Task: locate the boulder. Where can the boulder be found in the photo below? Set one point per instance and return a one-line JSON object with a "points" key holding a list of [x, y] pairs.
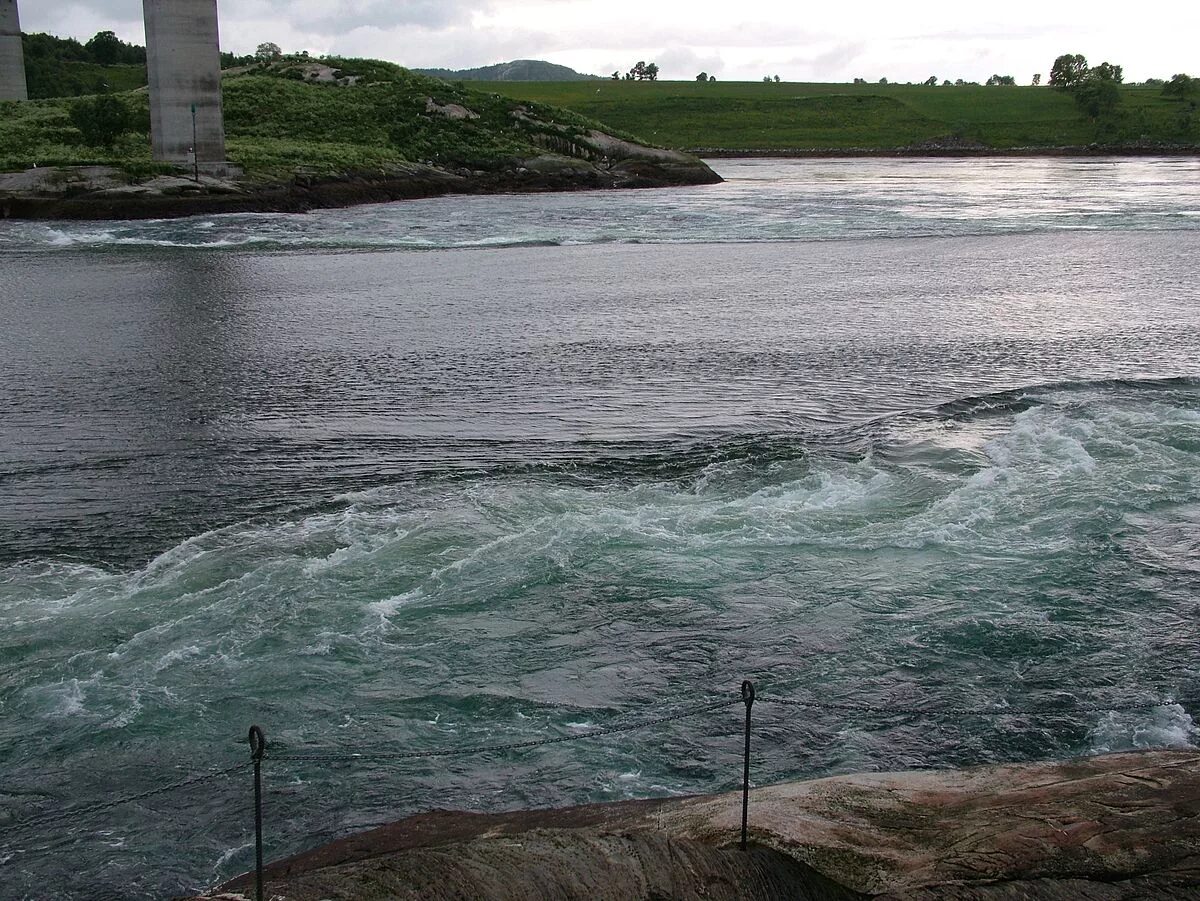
{"points": [[1109, 828]]}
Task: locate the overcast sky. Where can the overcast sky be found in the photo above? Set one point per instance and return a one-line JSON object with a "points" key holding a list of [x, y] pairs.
{"points": [[735, 41]]}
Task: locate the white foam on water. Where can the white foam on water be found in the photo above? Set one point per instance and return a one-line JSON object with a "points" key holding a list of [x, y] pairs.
{"points": [[60, 238], [388, 607], [63, 700], [227, 856], [243, 241], [178, 655], [1169, 726]]}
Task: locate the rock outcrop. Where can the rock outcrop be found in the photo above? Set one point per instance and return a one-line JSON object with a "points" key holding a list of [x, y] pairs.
{"points": [[103, 192], [1122, 826]]}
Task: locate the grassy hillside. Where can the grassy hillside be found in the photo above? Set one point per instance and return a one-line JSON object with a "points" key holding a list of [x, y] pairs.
{"points": [[63, 67], [757, 116], [280, 118]]}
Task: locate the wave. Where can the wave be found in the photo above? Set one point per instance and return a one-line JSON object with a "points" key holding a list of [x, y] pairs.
{"points": [[1047, 430], [274, 244], [1016, 400], [1051, 558]]}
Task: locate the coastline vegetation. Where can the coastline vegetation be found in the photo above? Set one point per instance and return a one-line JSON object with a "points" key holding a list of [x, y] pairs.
{"points": [[322, 117], [330, 116]]}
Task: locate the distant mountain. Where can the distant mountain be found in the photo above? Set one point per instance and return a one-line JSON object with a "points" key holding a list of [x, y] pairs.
{"points": [[517, 70]]}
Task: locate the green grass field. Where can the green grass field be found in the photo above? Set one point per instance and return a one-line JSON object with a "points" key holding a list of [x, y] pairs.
{"points": [[276, 124], [757, 116]]}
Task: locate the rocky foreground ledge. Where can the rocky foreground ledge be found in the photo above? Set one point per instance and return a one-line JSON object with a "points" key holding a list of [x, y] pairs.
{"points": [[1121, 826], [105, 192]]}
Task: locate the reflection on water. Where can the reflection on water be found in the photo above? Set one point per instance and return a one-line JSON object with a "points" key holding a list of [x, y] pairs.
{"points": [[155, 394]]}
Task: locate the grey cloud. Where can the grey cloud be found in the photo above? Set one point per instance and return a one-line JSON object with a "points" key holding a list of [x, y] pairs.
{"points": [[832, 62], [342, 16], [684, 62], [454, 48], [319, 16]]}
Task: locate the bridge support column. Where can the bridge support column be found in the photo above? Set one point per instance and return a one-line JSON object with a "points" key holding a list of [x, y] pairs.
{"points": [[12, 55], [183, 60]]}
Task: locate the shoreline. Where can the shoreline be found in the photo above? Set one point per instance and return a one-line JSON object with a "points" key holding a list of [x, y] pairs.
{"points": [[1046, 831], [105, 193], [91, 193], [950, 151]]}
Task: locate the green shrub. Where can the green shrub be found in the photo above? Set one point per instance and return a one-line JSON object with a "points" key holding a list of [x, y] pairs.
{"points": [[101, 120]]}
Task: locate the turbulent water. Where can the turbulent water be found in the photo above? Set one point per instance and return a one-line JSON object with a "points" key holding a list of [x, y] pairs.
{"points": [[900, 434]]}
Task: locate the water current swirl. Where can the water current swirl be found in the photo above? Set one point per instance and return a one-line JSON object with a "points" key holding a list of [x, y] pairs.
{"points": [[375, 499]]}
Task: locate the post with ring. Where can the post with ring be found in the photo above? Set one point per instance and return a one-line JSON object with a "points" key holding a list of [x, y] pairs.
{"points": [[258, 748], [748, 700]]}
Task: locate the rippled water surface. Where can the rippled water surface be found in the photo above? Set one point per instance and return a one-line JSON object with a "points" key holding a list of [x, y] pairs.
{"points": [[474, 470]]}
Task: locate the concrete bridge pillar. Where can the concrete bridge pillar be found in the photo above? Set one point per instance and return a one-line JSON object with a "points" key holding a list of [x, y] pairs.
{"points": [[12, 56], [183, 60]]}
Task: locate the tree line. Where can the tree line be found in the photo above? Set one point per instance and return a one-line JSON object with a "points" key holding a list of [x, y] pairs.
{"points": [[65, 67]]}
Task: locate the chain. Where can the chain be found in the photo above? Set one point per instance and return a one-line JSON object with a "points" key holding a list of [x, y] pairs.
{"points": [[963, 711], [72, 812], [515, 746]]}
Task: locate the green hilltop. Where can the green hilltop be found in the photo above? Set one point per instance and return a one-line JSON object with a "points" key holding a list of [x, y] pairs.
{"points": [[517, 70]]}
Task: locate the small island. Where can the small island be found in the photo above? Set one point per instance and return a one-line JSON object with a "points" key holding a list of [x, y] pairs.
{"points": [[307, 134]]}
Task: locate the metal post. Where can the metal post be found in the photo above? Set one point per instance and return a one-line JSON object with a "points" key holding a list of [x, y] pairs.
{"points": [[258, 747], [196, 159], [748, 700]]}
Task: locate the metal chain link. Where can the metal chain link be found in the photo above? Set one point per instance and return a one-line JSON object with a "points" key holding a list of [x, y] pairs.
{"points": [[515, 746], [73, 812], [962, 711], [118, 802]]}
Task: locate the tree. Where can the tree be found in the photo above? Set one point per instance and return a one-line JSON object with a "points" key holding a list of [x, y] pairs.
{"points": [[776, 79], [1037, 79], [930, 82], [766, 79], [703, 76], [1108, 72], [1068, 70], [712, 78], [1001, 80], [883, 81], [1097, 96], [101, 120], [268, 52], [616, 76], [860, 81], [642, 71], [105, 48], [1180, 86]]}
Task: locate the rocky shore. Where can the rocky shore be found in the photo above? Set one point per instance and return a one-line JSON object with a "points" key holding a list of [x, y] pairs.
{"points": [[105, 192], [1121, 826]]}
